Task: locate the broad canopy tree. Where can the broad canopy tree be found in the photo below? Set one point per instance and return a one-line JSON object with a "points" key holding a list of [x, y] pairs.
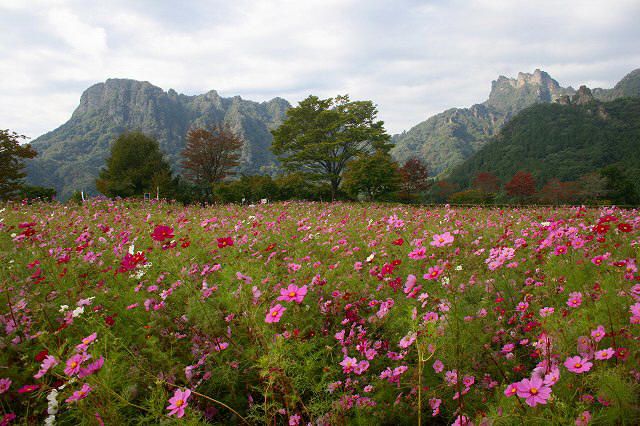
{"points": [[11, 164], [374, 176], [136, 166], [320, 136]]}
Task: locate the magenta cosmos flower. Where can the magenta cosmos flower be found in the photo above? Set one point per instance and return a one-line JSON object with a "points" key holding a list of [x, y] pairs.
{"points": [[161, 233], [74, 363], [442, 240], [605, 354], [178, 402], [533, 390], [293, 293], [275, 313], [81, 394], [577, 364]]}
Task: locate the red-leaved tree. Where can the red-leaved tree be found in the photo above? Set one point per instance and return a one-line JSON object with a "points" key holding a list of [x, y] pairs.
{"points": [[415, 177], [522, 185], [486, 182], [210, 155]]}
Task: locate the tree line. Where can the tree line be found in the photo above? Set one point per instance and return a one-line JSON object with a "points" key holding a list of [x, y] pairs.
{"points": [[329, 149]]}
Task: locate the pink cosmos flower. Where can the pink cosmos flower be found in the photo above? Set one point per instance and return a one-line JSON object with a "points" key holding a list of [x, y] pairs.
{"points": [[82, 347], [49, 362], [442, 240], [598, 333], [348, 364], [433, 273], [81, 394], [577, 364], [275, 313], [419, 253], [605, 354], [575, 299], [507, 348], [294, 420], [74, 363], [552, 377], [533, 390], [462, 421], [430, 316], [293, 293], [178, 402], [91, 368], [583, 419], [435, 405], [5, 384], [511, 390], [410, 284]]}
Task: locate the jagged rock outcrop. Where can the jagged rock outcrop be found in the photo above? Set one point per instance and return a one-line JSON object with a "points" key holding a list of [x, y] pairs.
{"points": [[446, 139], [71, 156]]}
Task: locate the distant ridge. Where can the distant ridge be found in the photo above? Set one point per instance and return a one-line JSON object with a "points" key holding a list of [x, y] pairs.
{"points": [[70, 157], [447, 139]]}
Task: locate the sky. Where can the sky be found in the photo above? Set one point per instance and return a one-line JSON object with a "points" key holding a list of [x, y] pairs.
{"points": [[413, 59]]}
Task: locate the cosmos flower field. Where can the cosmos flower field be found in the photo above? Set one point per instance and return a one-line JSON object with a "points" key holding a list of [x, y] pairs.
{"points": [[125, 312]]}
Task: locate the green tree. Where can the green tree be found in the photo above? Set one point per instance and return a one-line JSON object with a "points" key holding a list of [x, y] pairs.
{"points": [[375, 176], [320, 136], [619, 188], [11, 164], [136, 166]]}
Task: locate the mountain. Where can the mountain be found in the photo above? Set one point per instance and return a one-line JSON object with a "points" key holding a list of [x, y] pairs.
{"points": [[70, 157], [447, 139], [562, 141]]}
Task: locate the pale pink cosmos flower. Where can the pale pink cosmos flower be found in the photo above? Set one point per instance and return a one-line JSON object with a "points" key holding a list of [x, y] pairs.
{"points": [[348, 364], [552, 377], [49, 362], [546, 311], [442, 240], [407, 340], [438, 366], [435, 406], [275, 313], [178, 402], [293, 293], [81, 394], [534, 391], [605, 354], [598, 333], [577, 364]]}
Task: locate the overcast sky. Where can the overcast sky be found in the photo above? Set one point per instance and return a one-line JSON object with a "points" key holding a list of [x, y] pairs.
{"points": [[412, 58]]}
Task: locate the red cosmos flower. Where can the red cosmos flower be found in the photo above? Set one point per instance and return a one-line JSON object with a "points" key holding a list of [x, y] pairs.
{"points": [[224, 242], [398, 242], [41, 355], [270, 247], [624, 227], [109, 321], [161, 233], [601, 228]]}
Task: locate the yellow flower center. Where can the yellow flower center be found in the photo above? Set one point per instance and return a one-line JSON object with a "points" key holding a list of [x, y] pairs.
{"points": [[441, 240], [74, 364], [577, 365], [86, 341], [274, 313], [533, 391], [292, 294]]}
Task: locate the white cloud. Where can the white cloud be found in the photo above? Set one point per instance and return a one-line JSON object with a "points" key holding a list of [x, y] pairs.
{"points": [[413, 58]]}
